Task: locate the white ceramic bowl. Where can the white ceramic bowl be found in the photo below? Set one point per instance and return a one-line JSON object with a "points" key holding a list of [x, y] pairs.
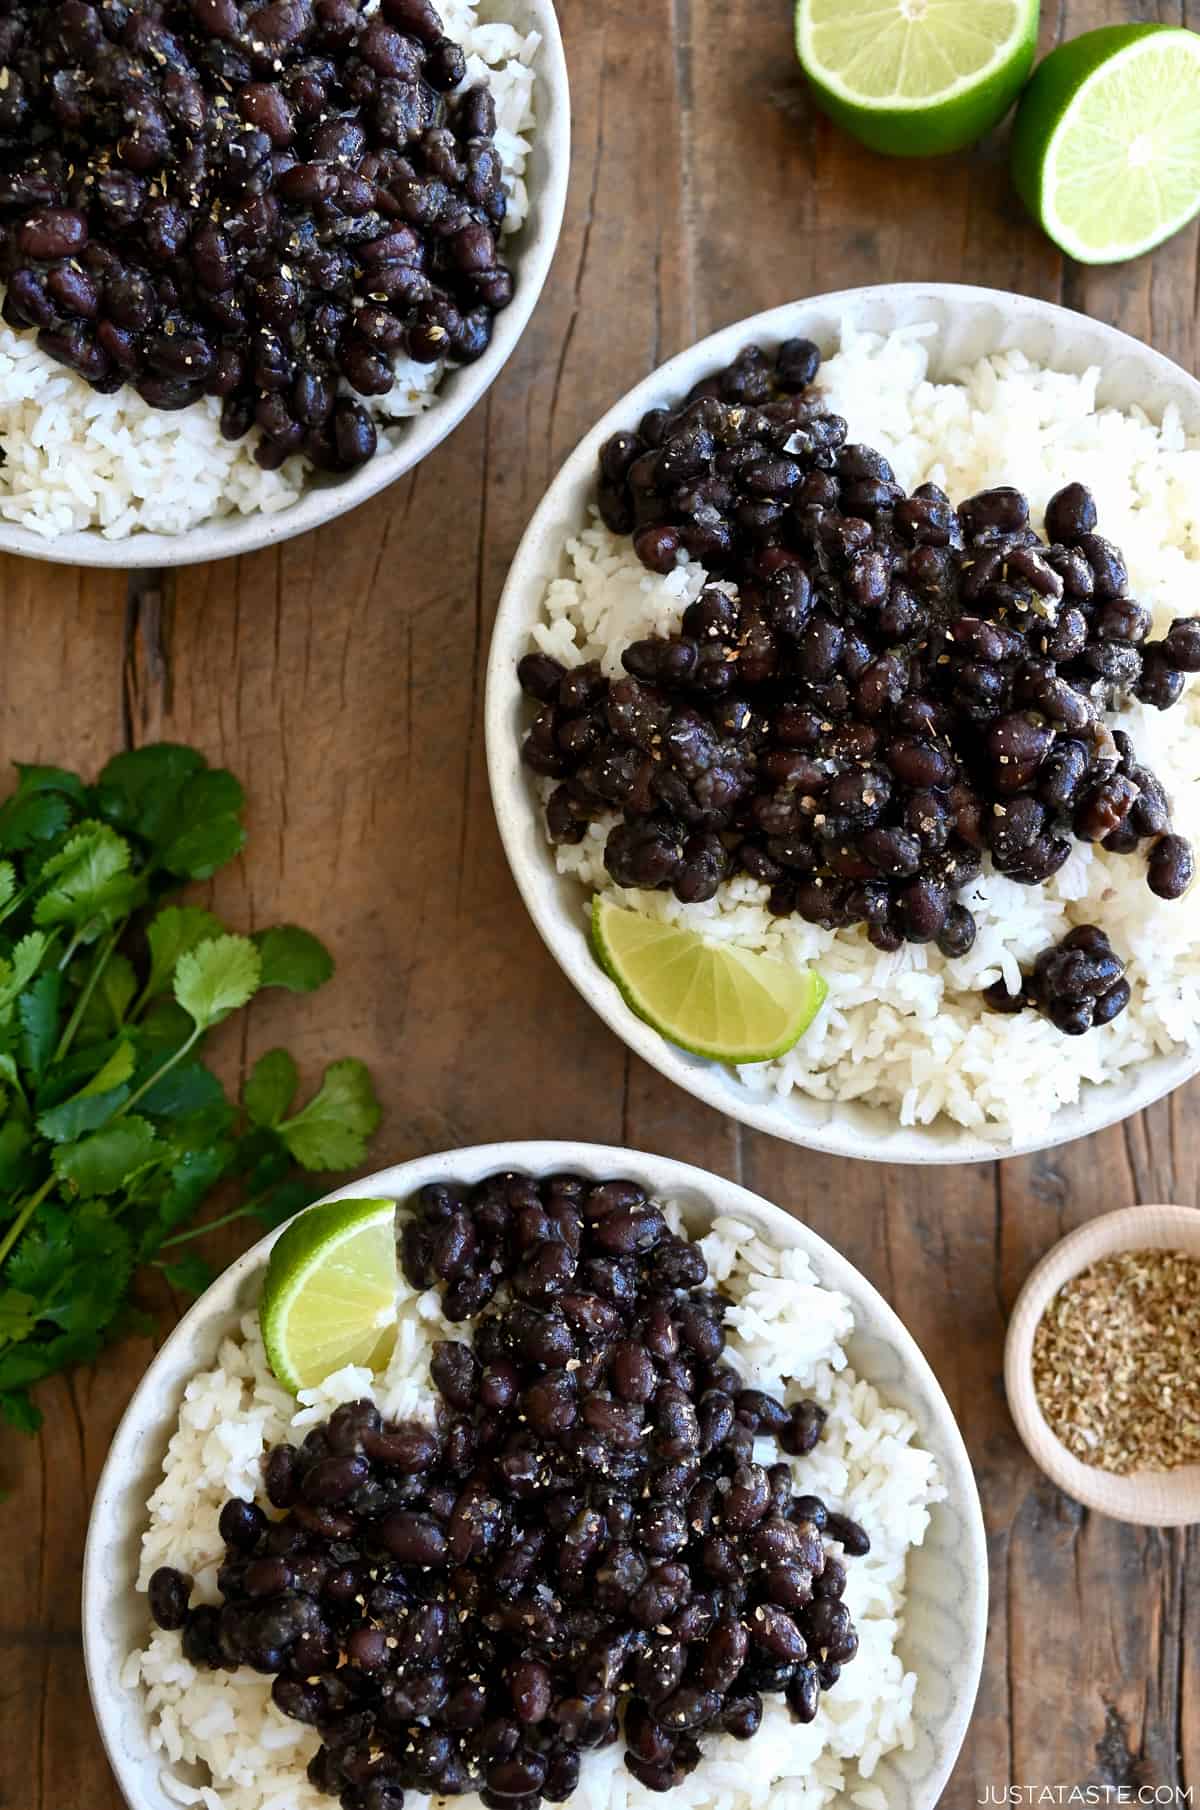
{"points": [[946, 1612], [971, 323], [531, 252], [1147, 1498]]}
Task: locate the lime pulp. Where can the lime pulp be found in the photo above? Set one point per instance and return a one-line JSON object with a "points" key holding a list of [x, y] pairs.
{"points": [[329, 1298], [714, 999]]}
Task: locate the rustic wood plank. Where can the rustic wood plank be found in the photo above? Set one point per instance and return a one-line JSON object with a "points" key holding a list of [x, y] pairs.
{"points": [[341, 677]]}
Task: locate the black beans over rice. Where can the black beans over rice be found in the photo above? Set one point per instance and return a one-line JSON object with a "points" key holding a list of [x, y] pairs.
{"points": [[263, 203], [585, 1549], [898, 687]]}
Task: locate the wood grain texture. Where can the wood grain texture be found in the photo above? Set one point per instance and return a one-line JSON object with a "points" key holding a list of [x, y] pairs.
{"points": [[341, 677]]}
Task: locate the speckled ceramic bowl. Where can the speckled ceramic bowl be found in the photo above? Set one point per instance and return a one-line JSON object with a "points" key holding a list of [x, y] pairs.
{"points": [[531, 252], [970, 324], [1147, 1498], [946, 1612]]}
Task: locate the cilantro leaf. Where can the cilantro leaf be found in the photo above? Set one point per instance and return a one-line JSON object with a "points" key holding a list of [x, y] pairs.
{"points": [[68, 1074], [83, 1113], [198, 853], [38, 1012], [189, 1088], [286, 1200], [34, 779], [16, 1157], [37, 818], [206, 830], [170, 796], [19, 1411], [200, 1130], [8, 881], [216, 978], [112, 997], [19, 970], [165, 1027], [18, 1314], [103, 1162], [90, 877], [100, 1265], [293, 958], [192, 1177], [29, 1363], [42, 1255], [270, 1088], [118, 1068], [263, 1158], [138, 790], [332, 1130], [190, 1274], [176, 931]]}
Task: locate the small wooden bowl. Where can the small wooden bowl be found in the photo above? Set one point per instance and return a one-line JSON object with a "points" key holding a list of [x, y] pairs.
{"points": [[1148, 1498]]}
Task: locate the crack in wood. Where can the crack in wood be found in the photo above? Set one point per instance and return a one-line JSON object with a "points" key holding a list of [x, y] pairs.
{"points": [[1116, 1764], [146, 666]]}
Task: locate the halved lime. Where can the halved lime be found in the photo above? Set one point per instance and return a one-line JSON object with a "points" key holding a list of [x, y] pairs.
{"points": [[1106, 145], [330, 1294], [915, 78], [711, 998]]}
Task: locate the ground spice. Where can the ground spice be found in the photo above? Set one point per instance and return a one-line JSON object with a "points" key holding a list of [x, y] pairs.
{"points": [[1116, 1362]]}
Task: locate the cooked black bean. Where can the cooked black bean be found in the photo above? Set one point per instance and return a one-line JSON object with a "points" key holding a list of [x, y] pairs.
{"points": [[1172, 867], [169, 1591], [332, 1479], [242, 1524], [1070, 514], [413, 1538], [853, 1539]]}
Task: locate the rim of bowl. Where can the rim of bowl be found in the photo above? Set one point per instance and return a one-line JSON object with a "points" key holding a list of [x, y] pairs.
{"points": [[325, 499], [151, 1410], [1147, 1498], [555, 902]]}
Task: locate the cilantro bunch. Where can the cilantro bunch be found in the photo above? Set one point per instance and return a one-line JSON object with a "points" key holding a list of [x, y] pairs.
{"points": [[112, 1129]]}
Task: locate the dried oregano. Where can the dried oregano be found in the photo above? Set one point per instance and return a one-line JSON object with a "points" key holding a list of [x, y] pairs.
{"points": [[1116, 1362]]}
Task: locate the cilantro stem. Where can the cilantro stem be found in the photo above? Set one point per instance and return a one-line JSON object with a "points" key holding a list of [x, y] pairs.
{"points": [[70, 949], [163, 1069], [211, 1225], [18, 899], [89, 987], [23, 1217]]}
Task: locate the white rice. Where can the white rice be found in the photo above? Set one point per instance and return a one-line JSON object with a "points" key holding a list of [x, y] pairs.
{"points": [[74, 459], [909, 1031], [786, 1334]]}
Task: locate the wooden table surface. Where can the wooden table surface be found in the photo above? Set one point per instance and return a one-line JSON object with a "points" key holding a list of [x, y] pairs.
{"points": [[341, 678]]}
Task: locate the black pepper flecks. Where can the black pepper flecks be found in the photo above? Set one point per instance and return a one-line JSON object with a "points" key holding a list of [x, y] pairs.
{"points": [[585, 1549], [263, 203], [897, 686]]}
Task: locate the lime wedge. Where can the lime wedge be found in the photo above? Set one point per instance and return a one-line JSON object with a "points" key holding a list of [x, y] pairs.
{"points": [[330, 1294], [710, 998], [915, 78], [1106, 146]]}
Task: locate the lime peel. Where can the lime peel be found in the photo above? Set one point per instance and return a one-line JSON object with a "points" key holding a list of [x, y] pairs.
{"points": [[717, 1000], [1093, 160], [329, 1298], [917, 78]]}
